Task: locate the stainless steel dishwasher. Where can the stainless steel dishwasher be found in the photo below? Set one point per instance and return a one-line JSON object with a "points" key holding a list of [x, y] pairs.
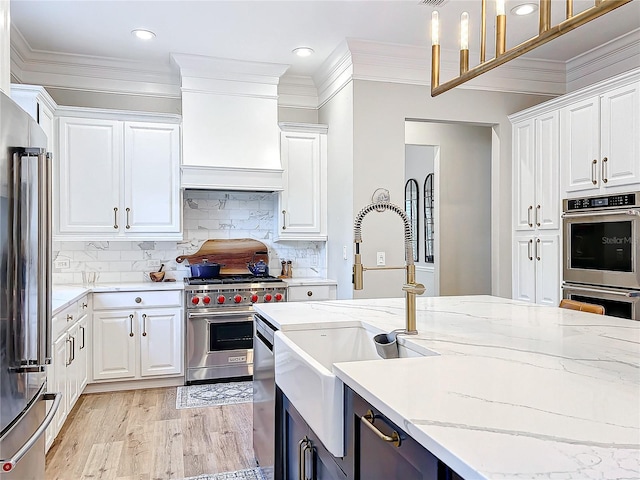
{"points": [[264, 396]]}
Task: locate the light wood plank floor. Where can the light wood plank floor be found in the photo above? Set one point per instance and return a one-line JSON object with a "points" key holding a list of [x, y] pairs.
{"points": [[140, 435]]}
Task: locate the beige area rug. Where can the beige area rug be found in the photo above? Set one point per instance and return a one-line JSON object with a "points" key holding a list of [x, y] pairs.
{"points": [[208, 395]]}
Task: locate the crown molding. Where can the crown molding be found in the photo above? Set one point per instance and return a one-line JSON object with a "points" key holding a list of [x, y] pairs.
{"points": [[296, 91], [91, 73], [335, 73], [617, 56]]}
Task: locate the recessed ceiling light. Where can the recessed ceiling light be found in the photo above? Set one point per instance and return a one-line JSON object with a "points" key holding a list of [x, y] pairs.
{"points": [[524, 9], [303, 51], [143, 34]]}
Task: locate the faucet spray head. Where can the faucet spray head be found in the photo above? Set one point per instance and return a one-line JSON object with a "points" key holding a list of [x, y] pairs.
{"points": [[358, 271]]}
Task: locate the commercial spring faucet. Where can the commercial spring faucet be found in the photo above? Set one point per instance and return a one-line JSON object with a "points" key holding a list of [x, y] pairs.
{"points": [[411, 288]]}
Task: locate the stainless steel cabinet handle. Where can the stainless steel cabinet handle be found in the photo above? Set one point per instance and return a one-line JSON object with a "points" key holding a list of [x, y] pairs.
{"points": [[115, 217], [529, 210], [284, 219], [73, 348], [308, 461], [131, 325], [69, 359], [538, 215], [368, 420], [593, 171], [9, 464], [604, 170], [601, 214], [127, 210], [83, 339], [529, 248], [608, 292], [84, 305], [69, 318], [144, 324], [537, 249]]}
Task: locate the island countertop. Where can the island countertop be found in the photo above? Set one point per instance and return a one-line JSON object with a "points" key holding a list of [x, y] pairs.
{"points": [[517, 391]]}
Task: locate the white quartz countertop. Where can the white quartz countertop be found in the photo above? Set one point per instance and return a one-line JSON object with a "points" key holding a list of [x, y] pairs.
{"points": [[64, 295], [296, 281], [518, 391]]}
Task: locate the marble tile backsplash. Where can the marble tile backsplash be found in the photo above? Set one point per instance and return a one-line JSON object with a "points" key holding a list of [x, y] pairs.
{"points": [[206, 214]]}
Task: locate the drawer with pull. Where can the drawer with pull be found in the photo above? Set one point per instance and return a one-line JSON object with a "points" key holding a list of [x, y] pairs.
{"points": [[304, 293], [64, 319], [141, 299]]}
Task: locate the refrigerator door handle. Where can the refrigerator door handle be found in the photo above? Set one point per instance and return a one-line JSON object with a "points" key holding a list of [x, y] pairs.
{"points": [[9, 464], [45, 258]]}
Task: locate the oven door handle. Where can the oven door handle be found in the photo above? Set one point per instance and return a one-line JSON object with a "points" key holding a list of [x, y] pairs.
{"points": [[608, 292], [601, 214], [235, 313]]}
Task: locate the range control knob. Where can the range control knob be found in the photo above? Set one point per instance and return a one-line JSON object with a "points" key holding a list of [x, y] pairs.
{"points": [[267, 297], [278, 297], [221, 299], [237, 298], [206, 300], [254, 298], [195, 300]]}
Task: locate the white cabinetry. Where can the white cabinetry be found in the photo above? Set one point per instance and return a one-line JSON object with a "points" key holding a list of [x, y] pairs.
{"points": [[310, 290], [38, 103], [137, 335], [536, 193], [601, 141], [118, 180], [68, 371], [302, 207]]}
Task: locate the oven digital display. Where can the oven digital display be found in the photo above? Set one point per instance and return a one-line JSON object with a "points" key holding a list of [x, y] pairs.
{"points": [[600, 202], [602, 246]]}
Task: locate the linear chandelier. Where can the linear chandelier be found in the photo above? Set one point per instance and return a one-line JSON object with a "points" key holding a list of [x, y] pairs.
{"points": [[546, 34]]}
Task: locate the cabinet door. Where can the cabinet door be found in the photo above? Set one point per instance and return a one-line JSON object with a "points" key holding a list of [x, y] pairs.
{"points": [[301, 212], [548, 268], [61, 361], [580, 145], [89, 176], [114, 344], [524, 279], [524, 176], [152, 178], [620, 136], [547, 177], [160, 341], [82, 356]]}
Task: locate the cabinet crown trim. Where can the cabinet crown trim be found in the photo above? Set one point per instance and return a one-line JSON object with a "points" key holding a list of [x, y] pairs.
{"points": [[303, 127], [122, 115]]}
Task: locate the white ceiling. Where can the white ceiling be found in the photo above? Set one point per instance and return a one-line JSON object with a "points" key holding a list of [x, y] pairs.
{"points": [[267, 31]]}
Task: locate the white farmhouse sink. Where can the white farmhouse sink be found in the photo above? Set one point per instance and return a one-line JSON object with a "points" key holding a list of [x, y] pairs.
{"points": [[304, 372]]}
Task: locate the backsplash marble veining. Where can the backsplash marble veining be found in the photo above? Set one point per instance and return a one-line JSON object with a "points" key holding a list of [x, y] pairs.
{"points": [[206, 214]]}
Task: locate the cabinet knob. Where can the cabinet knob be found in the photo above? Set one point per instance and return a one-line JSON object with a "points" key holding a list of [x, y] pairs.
{"points": [[69, 318], [138, 300], [309, 293], [84, 305]]}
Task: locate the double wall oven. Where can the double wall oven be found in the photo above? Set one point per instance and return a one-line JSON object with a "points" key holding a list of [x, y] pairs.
{"points": [[601, 252], [219, 324]]}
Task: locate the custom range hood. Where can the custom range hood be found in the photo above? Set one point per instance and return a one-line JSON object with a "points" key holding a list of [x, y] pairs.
{"points": [[230, 133]]}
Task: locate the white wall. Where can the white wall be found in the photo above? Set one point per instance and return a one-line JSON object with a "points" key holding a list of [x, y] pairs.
{"points": [[5, 47], [463, 205], [338, 114], [298, 115], [140, 103], [379, 113]]}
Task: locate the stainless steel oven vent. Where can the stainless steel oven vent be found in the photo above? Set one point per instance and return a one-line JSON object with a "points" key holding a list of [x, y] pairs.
{"points": [[432, 3]]}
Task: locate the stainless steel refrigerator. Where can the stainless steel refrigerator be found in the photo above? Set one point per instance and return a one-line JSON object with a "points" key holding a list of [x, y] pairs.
{"points": [[25, 281]]}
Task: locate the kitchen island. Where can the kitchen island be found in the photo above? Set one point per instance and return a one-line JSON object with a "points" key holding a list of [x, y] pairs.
{"points": [[516, 390]]}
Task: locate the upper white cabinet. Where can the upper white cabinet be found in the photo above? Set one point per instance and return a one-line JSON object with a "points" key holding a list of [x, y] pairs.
{"points": [[600, 142], [302, 206], [118, 179], [536, 172], [38, 103]]}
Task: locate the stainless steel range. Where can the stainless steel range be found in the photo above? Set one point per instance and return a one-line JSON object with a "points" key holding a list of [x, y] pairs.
{"points": [[219, 324]]}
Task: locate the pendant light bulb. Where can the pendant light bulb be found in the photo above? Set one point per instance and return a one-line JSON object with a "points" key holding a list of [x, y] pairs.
{"points": [[464, 31], [435, 28]]}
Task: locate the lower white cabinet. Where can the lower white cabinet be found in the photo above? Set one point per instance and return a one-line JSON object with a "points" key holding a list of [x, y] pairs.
{"points": [[137, 342], [311, 291], [68, 371], [537, 269]]}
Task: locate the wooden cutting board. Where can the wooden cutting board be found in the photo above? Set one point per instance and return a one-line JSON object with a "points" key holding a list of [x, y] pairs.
{"points": [[234, 254]]}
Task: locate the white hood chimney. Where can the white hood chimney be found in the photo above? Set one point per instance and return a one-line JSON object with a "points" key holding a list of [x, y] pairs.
{"points": [[230, 133]]}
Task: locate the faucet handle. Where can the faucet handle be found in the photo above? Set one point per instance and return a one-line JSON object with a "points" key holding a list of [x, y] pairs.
{"points": [[415, 288]]}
